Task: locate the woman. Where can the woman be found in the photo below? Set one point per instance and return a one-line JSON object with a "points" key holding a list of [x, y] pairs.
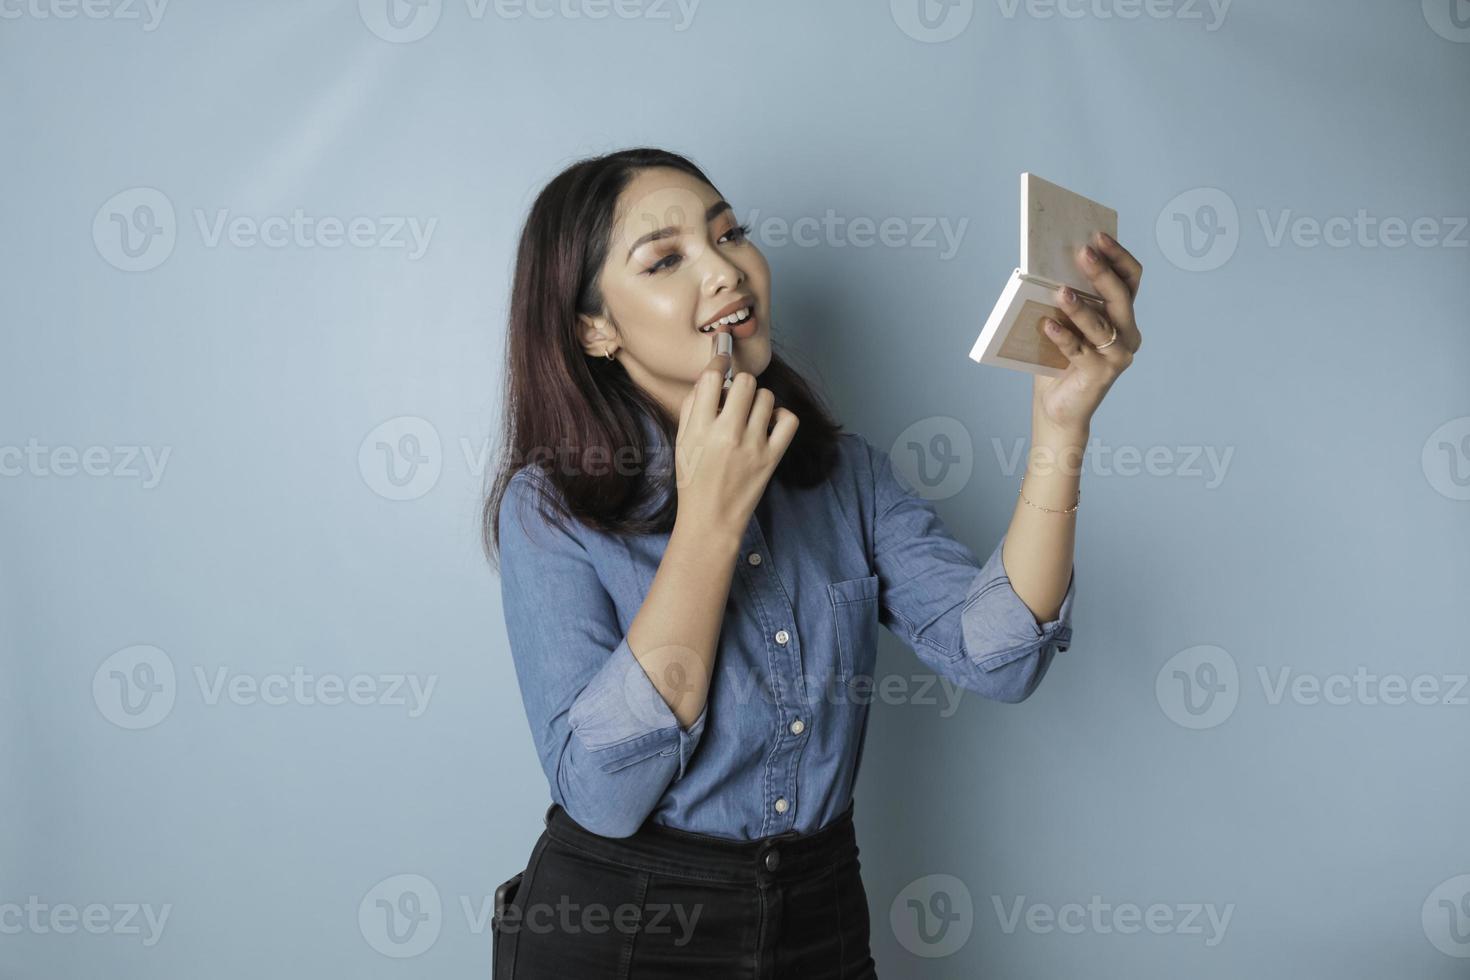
{"points": [[693, 576]]}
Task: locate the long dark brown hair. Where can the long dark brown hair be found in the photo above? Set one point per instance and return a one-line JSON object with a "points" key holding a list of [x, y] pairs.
{"points": [[586, 411]]}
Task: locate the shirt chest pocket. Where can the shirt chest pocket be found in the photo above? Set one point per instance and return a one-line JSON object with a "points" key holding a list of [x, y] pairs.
{"points": [[855, 620]]}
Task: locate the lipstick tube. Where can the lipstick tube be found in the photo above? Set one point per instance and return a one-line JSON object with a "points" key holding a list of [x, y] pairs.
{"points": [[725, 344]]}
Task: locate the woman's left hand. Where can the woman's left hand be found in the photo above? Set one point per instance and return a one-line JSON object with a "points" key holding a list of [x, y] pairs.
{"points": [[1067, 402]]}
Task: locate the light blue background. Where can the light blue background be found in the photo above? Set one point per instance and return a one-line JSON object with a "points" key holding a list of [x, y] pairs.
{"points": [[1334, 539]]}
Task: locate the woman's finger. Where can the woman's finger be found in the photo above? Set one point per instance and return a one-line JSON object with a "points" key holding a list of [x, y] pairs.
{"points": [[1068, 342], [1106, 282], [782, 434], [707, 388], [760, 416], [1088, 320], [686, 407], [1129, 269], [737, 399]]}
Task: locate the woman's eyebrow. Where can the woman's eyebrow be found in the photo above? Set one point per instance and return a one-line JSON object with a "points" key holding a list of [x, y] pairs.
{"points": [[712, 212]]}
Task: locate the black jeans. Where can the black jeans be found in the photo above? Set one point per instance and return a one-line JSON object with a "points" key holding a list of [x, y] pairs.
{"points": [[666, 903]]}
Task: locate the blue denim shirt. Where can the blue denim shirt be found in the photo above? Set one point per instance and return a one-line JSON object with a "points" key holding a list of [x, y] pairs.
{"points": [[780, 740]]}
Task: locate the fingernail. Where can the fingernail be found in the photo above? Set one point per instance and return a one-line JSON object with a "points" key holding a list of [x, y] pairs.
{"points": [[1091, 255], [724, 343], [1067, 294]]}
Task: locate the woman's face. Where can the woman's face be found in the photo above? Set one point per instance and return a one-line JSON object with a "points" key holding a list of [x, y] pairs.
{"points": [[677, 261]]}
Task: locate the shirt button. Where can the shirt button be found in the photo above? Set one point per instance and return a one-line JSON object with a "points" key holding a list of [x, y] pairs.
{"points": [[781, 805], [755, 558], [773, 858], [798, 726], [782, 636]]}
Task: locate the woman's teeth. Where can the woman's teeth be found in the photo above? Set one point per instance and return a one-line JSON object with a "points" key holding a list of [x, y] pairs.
{"points": [[737, 317]]}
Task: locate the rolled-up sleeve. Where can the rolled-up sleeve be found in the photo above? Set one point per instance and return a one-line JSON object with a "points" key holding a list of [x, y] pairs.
{"points": [[609, 743], [959, 616]]}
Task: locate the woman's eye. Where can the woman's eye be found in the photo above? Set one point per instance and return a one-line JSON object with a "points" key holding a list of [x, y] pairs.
{"points": [[738, 233], [660, 264]]}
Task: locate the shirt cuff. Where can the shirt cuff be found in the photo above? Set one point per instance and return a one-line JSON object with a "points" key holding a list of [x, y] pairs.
{"points": [[999, 628], [622, 718]]}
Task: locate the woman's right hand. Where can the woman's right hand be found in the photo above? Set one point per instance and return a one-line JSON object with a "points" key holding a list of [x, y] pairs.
{"points": [[724, 456]]}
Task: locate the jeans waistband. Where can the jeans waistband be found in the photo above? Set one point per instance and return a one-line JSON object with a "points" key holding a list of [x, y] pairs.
{"points": [[680, 853]]}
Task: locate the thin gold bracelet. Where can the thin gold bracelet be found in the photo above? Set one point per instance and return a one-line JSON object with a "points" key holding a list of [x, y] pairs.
{"points": [[1051, 510]]}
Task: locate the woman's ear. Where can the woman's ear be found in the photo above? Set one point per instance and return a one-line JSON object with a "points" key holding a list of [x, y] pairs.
{"points": [[597, 335]]}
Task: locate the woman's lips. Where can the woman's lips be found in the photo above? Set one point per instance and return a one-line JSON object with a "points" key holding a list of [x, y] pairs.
{"points": [[745, 329]]}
